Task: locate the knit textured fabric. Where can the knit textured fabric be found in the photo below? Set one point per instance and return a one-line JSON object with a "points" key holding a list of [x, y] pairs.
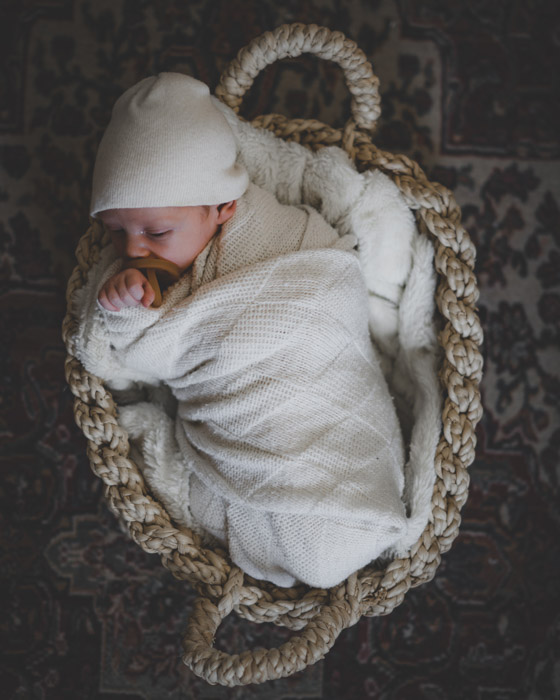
{"points": [[167, 145], [287, 445]]}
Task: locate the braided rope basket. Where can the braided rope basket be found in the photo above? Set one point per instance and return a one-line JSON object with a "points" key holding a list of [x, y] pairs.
{"points": [[319, 615]]}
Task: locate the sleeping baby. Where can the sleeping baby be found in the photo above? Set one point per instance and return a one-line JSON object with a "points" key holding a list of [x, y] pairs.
{"points": [[283, 443]]}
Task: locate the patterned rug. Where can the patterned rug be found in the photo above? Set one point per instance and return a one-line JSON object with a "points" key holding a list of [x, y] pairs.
{"points": [[471, 91]]}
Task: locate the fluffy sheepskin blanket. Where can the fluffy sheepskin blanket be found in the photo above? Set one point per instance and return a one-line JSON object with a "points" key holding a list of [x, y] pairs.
{"points": [[282, 440]]}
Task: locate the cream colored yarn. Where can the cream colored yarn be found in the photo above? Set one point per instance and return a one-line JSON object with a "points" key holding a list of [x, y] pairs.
{"points": [[320, 615]]}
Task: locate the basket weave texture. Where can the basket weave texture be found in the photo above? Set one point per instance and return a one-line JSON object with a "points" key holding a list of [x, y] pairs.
{"points": [[377, 589]]}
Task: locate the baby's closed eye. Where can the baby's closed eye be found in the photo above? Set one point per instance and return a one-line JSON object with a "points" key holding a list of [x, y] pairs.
{"points": [[157, 234]]}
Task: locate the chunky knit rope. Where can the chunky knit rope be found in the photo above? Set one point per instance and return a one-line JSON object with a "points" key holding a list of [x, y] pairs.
{"points": [[375, 590]]}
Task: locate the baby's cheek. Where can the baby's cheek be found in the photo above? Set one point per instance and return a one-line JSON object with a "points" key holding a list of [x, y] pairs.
{"points": [[118, 243]]}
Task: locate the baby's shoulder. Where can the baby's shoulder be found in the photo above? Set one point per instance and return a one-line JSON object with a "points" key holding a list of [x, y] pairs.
{"points": [[258, 201]]}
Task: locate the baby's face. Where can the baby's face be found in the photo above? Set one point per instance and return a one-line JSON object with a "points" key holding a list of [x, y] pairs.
{"points": [[177, 234]]}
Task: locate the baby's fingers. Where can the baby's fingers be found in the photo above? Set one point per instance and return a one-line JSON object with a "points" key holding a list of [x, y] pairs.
{"points": [[105, 302], [137, 291], [138, 288], [126, 288], [129, 289], [148, 294]]}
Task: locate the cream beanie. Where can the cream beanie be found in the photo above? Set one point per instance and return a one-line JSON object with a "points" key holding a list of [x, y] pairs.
{"points": [[166, 145]]}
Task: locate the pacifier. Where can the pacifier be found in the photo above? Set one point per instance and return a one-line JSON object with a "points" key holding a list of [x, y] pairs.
{"points": [[160, 274]]}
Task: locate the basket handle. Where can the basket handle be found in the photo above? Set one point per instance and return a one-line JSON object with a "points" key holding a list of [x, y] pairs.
{"points": [[291, 40], [260, 665]]}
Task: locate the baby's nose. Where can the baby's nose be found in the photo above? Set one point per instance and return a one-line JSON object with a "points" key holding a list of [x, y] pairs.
{"points": [[135, 249]]}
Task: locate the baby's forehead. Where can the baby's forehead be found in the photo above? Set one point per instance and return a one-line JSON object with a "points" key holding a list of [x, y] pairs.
{"points": [[152, 215]]}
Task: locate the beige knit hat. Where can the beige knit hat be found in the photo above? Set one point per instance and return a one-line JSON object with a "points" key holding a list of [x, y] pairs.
{"points": [[166, 145]]}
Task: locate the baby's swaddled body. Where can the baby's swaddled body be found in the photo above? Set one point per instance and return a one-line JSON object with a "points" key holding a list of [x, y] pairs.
{"points": [[290, 449]]}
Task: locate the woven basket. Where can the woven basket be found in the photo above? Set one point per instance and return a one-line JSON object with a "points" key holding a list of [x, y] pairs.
{"points": [[320, 615]]}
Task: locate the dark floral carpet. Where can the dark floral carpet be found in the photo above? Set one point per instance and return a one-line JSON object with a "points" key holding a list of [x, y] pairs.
{"points": [[471, 91]]}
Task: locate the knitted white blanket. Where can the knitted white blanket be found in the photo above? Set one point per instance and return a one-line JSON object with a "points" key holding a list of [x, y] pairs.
{"points": [[284, 443]]}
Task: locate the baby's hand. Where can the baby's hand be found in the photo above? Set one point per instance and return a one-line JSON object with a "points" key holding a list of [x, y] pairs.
{"points": [[126, 288]]}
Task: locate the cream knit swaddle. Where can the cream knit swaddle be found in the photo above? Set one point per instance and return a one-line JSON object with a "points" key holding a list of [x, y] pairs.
{"points": [[285, 427]]}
